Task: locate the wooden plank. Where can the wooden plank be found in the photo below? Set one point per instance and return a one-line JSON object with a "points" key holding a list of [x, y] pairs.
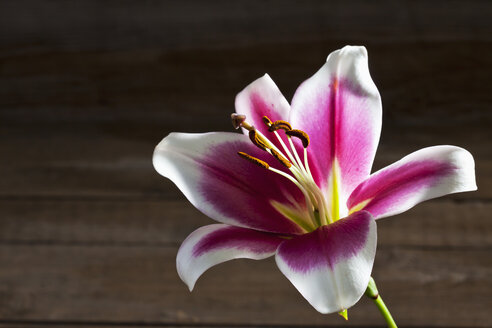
{"points": [[414, 76], [46, 324], [65, 166], [89, 232], [443, 224], [96, 325], [29, 25], [125, 325], [139, 284], [56, 324], [85, 124]]}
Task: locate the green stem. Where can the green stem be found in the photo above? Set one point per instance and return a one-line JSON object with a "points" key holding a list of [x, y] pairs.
{"points": [[372, 292], [385, 312]]}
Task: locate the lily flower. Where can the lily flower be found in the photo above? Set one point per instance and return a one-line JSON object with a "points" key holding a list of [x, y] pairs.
{"points": [[297, 183]]}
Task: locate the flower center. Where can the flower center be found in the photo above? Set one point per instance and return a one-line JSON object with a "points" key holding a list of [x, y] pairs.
{"points": [[315, 213]]}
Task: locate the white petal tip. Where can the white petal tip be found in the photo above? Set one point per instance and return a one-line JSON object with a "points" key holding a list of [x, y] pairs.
{"points": [[350, 51], [160, 155], [188, 280], [465, 158], [355, 50]]}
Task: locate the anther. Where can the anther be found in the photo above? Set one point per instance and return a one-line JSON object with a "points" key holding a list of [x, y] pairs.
{"points": [[281, 158], [280, 125], [267, 121], [253, 136], [303, 136], [254, 160], [237, 120]]}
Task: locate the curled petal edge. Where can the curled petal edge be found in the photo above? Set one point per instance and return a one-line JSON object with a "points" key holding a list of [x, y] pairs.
{"points": [[217, 243]]}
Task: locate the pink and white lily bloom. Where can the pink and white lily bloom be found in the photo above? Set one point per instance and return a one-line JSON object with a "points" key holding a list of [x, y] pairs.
{"points": [[297, 183]]}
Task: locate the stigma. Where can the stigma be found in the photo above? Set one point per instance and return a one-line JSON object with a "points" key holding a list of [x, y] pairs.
{"points": [[295, 169]]}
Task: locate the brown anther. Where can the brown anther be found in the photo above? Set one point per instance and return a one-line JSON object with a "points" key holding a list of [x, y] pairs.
{"points": [[254, 160], [281, 158], [266, 120], [237, 120], [280, 125], [303, 136], [253, 136]]}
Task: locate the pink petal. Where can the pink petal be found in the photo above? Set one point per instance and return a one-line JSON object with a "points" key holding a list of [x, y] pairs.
{"points": [[262, 98], [224, 186], [340, 108], [427, 173], [331, 266], [217, 243]]}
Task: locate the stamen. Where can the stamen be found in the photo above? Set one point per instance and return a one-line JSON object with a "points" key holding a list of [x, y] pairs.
{"points": [[320, 202], [306, 163], [256, 140], [267, 121], [301, 175], [302, 172], [280, 125], [307, 197], [254, 160], [303, 136], [237, 120], [281, 158], [297, 158]]}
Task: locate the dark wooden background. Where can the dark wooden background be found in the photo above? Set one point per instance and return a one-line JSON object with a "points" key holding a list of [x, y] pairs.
{"points": [[89, 232]]}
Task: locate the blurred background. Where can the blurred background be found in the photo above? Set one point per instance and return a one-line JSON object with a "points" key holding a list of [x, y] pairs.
{"points": [[89, 231]]}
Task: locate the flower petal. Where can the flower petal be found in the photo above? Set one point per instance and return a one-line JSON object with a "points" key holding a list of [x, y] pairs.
{"points": [[340, 109], [217, 243], [427, 173], [262, 98], [331, 266], [224, 186]]}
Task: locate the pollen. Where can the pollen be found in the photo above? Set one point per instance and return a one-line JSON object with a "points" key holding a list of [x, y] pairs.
{"points": [[315, 210], [280, 125], [266, 120], [254, 160], [280, 158], [256, 140], [303, 136]]}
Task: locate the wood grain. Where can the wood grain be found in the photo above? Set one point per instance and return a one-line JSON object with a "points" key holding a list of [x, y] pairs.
{"points": [[111, 284], [88, 230], [30, 324], [29, 25], [87, 123], [442, 223]]}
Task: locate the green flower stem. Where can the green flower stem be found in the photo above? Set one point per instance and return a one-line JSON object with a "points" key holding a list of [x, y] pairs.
{"points": [[372, 292]]}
